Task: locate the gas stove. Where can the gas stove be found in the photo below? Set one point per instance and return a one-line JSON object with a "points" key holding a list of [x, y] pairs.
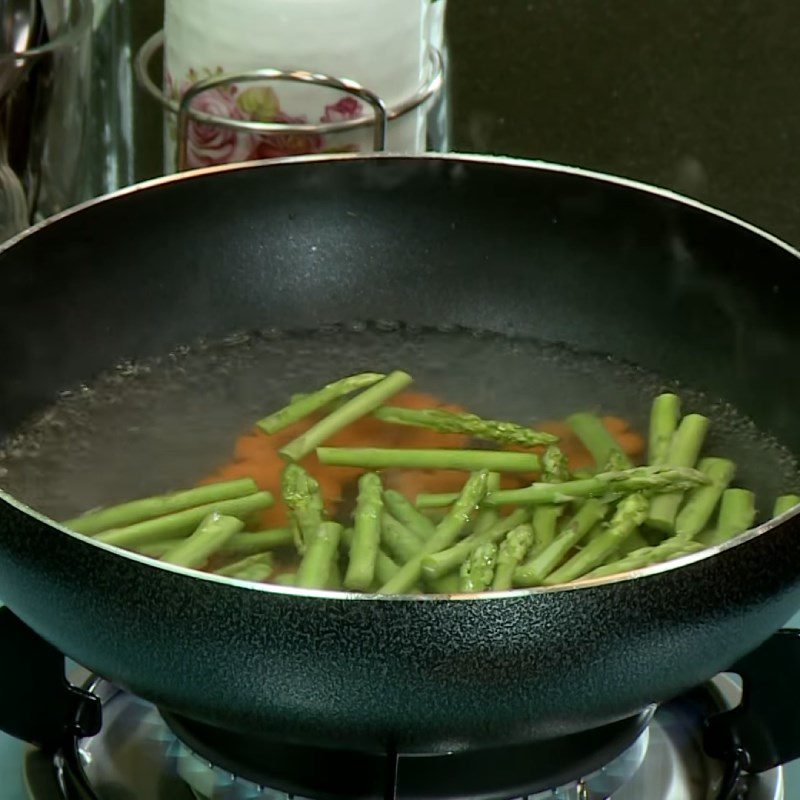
{"points": [[725, 740], [138, 755]]}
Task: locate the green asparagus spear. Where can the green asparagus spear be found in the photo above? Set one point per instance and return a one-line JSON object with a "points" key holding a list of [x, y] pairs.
{"points": [[545, 523], [737, 511], [555, 469], [255, 568], [701, 502], [636, 479], [210, 535], [285, 579], [447, 584], [784, 503], [403, 511], [303, 405], [427, 501], [628, 516], [616, 462], [320, 557], [510, 555], [438, 564], [598, 441], [246, 544], [129, 513], [157, 549], [455, 422], [385, 567], [637, 559], [536, 569], [182, 523], [555, 466], [257, 573], [447, 531], [351, 411], [684, 450], [367, 533], [397, 539], [477, 571], [636, 541], [407, 458], [488, 516], [335, 577], [303, 498], [664, 416]]}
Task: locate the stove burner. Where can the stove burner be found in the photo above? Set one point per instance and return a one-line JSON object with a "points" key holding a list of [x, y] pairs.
{"points": [[136, 755], [489, 774]]}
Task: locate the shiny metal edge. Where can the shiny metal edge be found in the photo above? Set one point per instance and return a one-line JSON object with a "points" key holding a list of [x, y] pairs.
{"points": [[146, 52], [77, 28], [455, 158]]}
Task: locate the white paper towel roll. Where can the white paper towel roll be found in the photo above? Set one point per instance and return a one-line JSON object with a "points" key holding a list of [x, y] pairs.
{"points": [[381, 44]]}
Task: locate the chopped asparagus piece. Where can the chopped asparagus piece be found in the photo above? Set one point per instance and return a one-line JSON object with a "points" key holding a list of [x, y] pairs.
{"points": [[367, 534], [784, 503], [668, 550], [488, 516], [398, 540], [182, 523], [318, 563], [254, 568], [447, 531], [596, 438], [737, 511], [408, 458], [510, 555], [701, 502], [438, 564], [477, 571], [628, 516], [121, 516], [403, 511], [447, 584], [684, 450], [351, 411], [457, 422], [664, 416], [539, 566], [555, 469], [303, 498], [637, 479], [245, 544], [303, 405], [210, 536]]}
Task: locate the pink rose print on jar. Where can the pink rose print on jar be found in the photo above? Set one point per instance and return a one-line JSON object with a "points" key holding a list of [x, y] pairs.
{"points": [[342, 110], [277, 145], [214, 144]]}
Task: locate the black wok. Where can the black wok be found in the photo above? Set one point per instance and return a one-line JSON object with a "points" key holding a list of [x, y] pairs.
{"points": [[520, 248]]}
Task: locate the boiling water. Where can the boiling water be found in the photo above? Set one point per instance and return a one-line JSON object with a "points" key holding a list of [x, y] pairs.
{"points": [[153, 426]]}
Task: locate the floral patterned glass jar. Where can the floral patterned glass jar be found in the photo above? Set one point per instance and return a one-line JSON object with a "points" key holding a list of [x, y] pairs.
{"points": [[384, 45]]}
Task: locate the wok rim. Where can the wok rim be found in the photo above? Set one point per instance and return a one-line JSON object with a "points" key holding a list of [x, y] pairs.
{"points": [[326, 594]]}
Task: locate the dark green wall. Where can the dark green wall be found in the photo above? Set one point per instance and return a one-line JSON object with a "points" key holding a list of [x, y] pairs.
{"points": [[698, 95]]}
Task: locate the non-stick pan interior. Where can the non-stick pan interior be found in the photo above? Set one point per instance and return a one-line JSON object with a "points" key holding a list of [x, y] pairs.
{"points": [[538, 255]]}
